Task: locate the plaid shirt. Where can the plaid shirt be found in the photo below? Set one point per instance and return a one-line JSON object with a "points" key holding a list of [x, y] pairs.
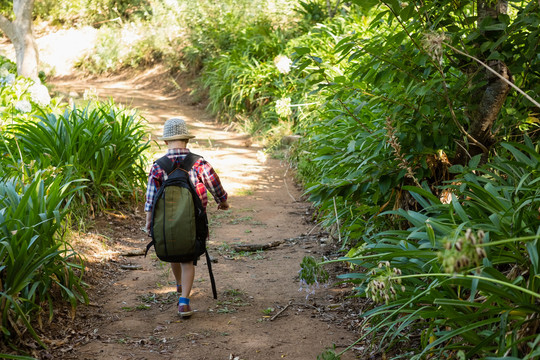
{"points": [[202, 176]]}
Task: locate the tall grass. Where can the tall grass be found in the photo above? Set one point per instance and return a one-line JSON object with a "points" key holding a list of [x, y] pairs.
{"points": [[37, 266], [182, 34], [461, 281], [101, 144]]}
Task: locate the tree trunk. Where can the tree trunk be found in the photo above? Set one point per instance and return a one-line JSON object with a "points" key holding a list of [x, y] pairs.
{"points": [[21, 34], [492, 97]]}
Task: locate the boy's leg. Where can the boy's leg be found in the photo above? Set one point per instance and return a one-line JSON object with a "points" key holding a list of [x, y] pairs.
{"points": [[188, 275], [177, 272]]}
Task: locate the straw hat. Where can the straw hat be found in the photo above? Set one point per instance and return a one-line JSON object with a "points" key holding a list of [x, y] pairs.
{"points": [[175, 129]]}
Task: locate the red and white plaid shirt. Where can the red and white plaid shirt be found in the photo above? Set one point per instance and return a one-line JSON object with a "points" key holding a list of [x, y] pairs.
{"points": [[202, 176]]}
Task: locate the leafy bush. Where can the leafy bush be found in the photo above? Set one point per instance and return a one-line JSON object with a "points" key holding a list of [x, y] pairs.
{"points": [[254, 84], [21, 98], [36, 264], [180, 33], [396, 105], [54, 165], [385, 76], [463, 276], [350, 172], [101, 144], [91, 12]]}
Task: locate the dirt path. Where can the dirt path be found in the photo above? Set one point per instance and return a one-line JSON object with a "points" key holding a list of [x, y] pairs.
{"points": [[133, 312]]}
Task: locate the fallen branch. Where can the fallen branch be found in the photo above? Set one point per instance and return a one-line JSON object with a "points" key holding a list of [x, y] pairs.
{"points": [[133, 253], [257, 247], [131, 267], [281, 311]]}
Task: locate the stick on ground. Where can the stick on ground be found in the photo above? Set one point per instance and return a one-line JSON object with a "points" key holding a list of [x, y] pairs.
{"points": [[282, 310], [257, 247]]}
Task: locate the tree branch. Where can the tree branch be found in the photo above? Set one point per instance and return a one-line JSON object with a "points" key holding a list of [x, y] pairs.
{"points": [[7, 27], [496, 73]]}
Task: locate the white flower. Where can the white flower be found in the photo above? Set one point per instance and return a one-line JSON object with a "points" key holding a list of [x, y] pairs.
{"points": [[8, 79], [23, 106], [91, 94], [40, 94], [283, 107], [283, 64]]}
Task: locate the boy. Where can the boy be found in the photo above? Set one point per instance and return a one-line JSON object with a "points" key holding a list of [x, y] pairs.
{"points": [[203, 177]]}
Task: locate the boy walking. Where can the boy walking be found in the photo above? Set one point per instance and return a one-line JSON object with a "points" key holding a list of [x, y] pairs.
{"points": [[203, 177]]}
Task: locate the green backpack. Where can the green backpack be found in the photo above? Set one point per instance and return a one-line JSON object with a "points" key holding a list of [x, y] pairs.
{"points": [[179, 225]]}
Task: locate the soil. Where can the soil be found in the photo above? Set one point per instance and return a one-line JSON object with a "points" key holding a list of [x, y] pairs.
{"points": [[260, 312]]}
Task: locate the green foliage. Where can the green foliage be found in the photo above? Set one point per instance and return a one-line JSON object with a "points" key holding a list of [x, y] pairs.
{"points": [[249, 82], [394, 100], [312, 12], [133, 45], [392, 72], [328, 355], [235, 26], [184, 34], [463, 275], [106, 55], [311, 273], [386, 118], [91, 12], [21, 98], [100, 144], [352, 165], [241, 87], [36, 264]]}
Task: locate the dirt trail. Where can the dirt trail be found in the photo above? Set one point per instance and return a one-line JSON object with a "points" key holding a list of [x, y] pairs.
{"points": [[133, 312]]}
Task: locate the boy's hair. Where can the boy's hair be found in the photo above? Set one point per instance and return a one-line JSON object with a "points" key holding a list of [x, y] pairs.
{"points": [[183, 140]]}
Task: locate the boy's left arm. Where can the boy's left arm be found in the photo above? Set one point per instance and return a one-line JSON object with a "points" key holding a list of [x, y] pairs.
{"points": [[148, 221], [154, 181]]}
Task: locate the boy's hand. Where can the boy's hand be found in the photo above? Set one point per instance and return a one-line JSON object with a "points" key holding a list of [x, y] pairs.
{"points": [[223, 206]]}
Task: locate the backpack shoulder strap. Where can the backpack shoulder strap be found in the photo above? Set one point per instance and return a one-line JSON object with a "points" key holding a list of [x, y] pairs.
{"points": [[166, 164], [189, 161]]}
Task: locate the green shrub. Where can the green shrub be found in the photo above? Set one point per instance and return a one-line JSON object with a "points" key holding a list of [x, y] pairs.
{"points": [[393, 111], [36, 264], [21, 98], [107, 54], [91, 12], [463, 276], [100, 144]]}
